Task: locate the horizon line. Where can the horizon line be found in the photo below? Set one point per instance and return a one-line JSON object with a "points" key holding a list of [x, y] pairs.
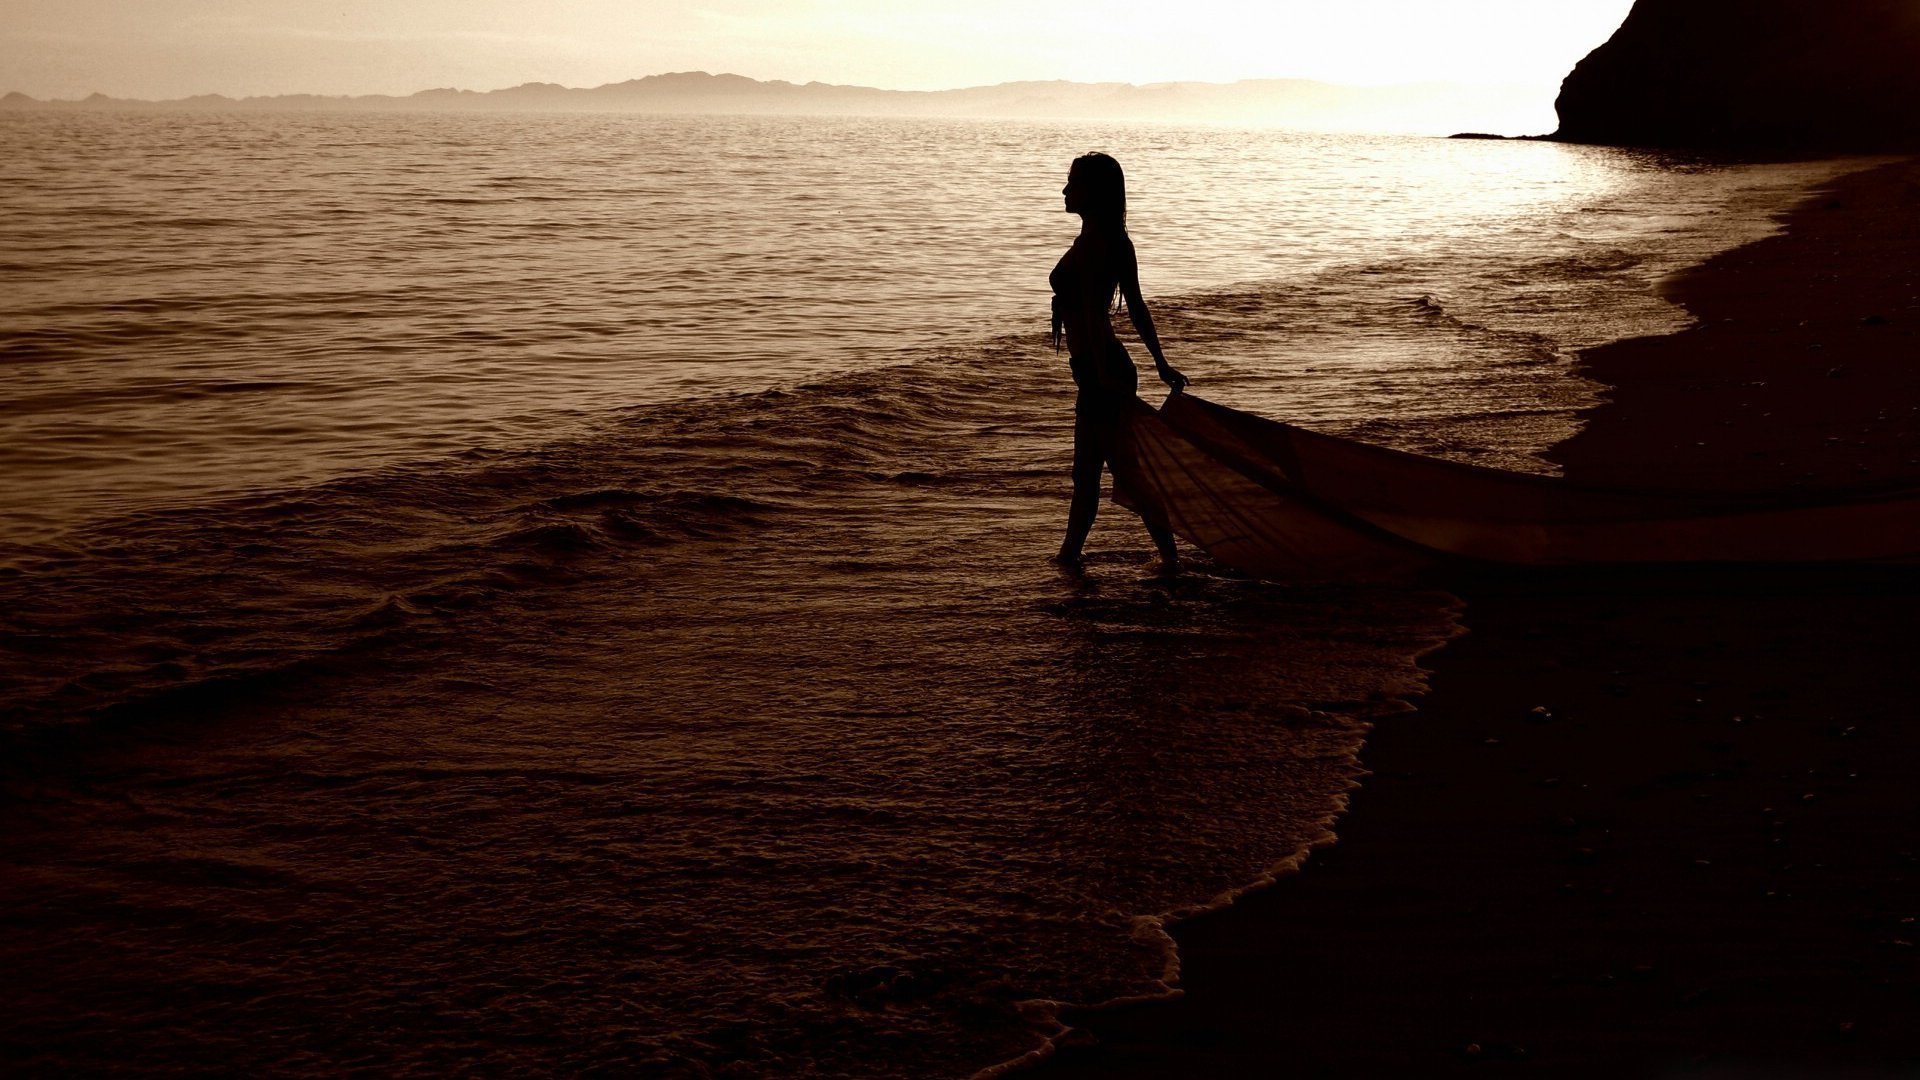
{"points": [[94, 95]]}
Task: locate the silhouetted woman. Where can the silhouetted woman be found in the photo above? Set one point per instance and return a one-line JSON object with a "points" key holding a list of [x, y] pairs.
{"points": [[1100, 259]]}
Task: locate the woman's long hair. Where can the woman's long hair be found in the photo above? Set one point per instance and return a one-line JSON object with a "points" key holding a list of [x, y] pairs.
{"points": [[1103, 199], [1103, 190]]}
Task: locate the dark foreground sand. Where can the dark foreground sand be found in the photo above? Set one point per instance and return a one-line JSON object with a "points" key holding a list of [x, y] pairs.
{"points": [[1644, 824]]}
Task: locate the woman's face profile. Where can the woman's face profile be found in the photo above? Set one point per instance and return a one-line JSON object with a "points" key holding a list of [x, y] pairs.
{"points": [[1072, 195]]}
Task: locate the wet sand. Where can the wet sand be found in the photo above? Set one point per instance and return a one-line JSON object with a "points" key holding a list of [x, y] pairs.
{"points": [[1648, 823]]}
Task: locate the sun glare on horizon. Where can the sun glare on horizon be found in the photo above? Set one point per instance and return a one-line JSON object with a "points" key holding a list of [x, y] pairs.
{"points": [[176, 48]]}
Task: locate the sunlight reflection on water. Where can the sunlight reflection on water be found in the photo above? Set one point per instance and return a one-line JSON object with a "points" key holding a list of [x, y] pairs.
{"points": [[201, 303]]}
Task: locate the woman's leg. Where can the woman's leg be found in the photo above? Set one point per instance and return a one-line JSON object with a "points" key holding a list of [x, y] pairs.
{"points": [[1163, 540], [1123, 384], [1089, 454]]}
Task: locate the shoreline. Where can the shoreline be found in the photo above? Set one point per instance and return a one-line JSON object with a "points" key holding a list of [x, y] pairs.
{"points": [[1639, 823], [1789, 375]]}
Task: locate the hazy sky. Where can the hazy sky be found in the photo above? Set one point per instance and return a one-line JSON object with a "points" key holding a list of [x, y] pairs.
{"points": [[172, 48]]}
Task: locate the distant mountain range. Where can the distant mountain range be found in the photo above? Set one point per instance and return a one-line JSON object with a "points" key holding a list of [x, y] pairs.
{"points": [[1293, 103]]}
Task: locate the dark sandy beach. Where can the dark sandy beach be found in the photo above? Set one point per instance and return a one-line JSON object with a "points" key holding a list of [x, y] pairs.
{"points": [[1648, 823]]}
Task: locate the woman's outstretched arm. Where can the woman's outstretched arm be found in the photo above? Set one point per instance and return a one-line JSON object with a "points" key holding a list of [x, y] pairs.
{"points": [[1143, 318]]}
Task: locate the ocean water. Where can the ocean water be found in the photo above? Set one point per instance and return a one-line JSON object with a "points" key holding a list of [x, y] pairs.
{"points": [[568, 593]]}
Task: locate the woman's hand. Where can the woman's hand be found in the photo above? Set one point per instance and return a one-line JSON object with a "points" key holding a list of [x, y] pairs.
{"points": [[1173, 378]]}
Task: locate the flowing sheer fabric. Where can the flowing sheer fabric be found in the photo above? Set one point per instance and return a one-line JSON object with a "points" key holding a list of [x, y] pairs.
{"points": [[1272, 500]]}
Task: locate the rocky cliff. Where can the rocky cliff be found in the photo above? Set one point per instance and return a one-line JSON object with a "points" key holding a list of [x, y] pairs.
{"points": [[1754, 74]]}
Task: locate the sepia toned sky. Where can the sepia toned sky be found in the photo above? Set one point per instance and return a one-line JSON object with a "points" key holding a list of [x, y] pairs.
{"points": [[174, 48]]}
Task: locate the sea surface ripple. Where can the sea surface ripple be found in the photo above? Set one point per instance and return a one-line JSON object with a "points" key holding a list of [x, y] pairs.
{"points": [[557, 593]]}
